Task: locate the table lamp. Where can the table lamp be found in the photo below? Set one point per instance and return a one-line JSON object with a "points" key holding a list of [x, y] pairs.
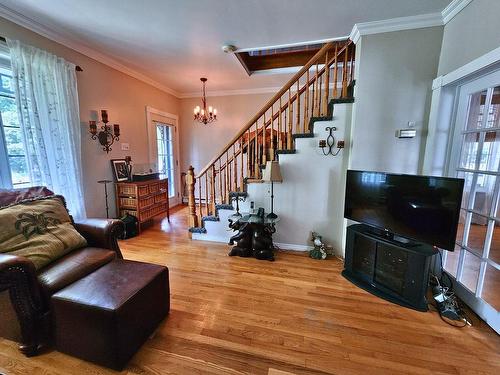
{"points": [[272, 174]]}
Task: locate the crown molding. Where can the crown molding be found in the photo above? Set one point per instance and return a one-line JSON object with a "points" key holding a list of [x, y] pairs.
{"points": [[28, 23], [453, 9], [395, 24]]}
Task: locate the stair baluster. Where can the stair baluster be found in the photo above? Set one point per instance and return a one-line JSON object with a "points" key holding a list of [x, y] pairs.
{"points": [[297, 107], [206, 195], [316, 93], [344, 74], [280, 138], [306, 102], [335, 73], [289, 130], [326, 93], [264, 142]]}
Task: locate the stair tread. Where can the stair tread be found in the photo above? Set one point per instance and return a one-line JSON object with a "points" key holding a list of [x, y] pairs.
{"points": [[303, 135], [254, 180], [210, 218], [233, 194], [197, 230], [224, 207]]}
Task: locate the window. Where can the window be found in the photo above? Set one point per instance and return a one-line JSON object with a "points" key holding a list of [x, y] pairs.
{"points": [[16, 171], [164, 141]]}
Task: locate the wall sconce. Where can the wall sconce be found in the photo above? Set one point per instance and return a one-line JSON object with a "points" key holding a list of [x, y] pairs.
{"points": [[107, 135], [328, 144]]}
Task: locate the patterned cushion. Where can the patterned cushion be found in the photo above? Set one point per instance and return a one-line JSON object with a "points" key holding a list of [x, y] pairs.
{"points": [[39, 229]]}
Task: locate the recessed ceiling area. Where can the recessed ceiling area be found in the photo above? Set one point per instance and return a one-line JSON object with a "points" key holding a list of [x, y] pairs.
{"points": [[271, 59], [176, 42]]}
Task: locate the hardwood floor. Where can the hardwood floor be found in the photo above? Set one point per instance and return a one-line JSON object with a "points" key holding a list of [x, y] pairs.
{"points": [[292, 316]]}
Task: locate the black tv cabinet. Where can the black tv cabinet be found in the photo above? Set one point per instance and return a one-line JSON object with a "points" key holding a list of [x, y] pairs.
{"points": [[395, 271]]}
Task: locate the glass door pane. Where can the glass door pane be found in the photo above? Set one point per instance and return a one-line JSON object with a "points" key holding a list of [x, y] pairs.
{"points": [[166, 162], [491, 288]]}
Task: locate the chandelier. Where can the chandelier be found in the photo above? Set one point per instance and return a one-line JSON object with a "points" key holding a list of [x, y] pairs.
{"points": [[203, 115]]}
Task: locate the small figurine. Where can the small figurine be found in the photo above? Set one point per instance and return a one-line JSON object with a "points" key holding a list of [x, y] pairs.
{"points": [[319, 251]]}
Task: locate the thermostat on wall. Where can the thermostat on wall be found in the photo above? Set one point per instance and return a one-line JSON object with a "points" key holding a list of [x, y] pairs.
{"points": [[406, 133]]}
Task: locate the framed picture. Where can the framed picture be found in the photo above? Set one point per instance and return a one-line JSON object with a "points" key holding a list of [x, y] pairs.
{"points": [[119, 167]]}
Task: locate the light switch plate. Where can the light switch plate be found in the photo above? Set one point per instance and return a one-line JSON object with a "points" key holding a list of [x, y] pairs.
{"points": [[125, 146]]}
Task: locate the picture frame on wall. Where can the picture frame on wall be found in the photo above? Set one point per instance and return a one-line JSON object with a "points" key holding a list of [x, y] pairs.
{"points": [[119, 167]]}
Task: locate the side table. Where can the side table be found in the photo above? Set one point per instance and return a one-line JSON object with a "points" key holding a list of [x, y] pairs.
{"points": [[254, 237]]}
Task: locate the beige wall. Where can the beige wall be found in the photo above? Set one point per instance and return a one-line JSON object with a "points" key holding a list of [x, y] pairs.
{"points": [[199, 143], [470, 34], [393, 86], [101, 87]]}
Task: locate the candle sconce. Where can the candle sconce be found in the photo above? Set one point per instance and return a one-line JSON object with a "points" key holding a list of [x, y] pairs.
{"points": [[328, 145], [107, 135]]}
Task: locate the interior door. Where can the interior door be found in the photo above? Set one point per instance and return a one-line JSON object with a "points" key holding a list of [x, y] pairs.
{"points": [[475, 157]]}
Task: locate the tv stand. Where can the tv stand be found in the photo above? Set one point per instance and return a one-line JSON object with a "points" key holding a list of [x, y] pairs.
{"points": [[390, 269]]}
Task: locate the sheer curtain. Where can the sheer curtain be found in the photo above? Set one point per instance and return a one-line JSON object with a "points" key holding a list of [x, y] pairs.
{"points": [[47, 105]]}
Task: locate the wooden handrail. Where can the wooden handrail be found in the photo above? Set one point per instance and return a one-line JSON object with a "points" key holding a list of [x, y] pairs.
{"points": [[228, 170], [271, 101], [274, 116]]}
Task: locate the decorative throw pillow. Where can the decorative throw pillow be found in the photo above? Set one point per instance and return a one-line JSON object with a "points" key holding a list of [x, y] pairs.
{"points": [[40, 230]]}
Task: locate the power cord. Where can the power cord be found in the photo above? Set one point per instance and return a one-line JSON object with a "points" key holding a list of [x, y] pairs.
{"points": [[446, 301]]}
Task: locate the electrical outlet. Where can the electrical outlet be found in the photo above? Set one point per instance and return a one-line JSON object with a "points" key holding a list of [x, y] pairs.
{"points": [[125, 146], [412, 124]]}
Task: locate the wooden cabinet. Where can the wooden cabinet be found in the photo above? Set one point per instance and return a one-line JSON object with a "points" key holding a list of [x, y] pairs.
{"points": [[395, 271], [144, 199]]}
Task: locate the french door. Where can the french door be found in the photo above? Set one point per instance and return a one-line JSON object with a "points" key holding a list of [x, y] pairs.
{"points": [[166, 157], [475, 157]]}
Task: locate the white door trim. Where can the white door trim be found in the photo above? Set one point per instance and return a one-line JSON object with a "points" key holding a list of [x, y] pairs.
{"points": [[474, 67], [173, 120]]}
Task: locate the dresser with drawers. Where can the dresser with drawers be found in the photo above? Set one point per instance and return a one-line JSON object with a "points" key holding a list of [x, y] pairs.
{"points": [[144, 200]]}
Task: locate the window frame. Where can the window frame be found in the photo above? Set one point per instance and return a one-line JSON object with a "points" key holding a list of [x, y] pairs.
{"points": [[6, 178]]}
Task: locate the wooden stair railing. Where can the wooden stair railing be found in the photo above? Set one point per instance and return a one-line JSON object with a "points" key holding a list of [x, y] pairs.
{"points": [[272, 130]]}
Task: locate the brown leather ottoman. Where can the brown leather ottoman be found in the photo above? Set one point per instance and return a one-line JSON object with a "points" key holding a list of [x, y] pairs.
{"points": [[106, 316]]}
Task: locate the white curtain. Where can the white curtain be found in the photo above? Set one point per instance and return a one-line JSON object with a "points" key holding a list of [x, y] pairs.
{"points": [[47, 104]]}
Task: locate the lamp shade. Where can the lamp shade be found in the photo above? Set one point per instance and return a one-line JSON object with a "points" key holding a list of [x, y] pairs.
{"points": [[272, 173]]}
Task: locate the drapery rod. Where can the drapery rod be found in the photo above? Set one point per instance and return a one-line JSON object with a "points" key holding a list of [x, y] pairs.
{"points": [[77, 68]]}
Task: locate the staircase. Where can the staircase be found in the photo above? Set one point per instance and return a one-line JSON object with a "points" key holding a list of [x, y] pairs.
{"points": [[308, 97]]}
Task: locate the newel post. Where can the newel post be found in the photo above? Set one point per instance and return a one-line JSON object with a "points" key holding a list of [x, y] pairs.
{"points": [[190, 181]]}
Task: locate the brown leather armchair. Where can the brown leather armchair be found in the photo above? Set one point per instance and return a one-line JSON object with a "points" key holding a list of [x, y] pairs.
{"points": [[25, 293]]}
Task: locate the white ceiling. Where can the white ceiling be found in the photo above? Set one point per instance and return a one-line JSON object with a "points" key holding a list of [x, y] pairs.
{"points": [[175, 42]]}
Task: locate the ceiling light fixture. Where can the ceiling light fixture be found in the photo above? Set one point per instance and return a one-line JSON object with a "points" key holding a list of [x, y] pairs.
{"points": [[203, 115]]}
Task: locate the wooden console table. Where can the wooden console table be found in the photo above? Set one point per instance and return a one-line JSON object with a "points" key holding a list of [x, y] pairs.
{"points": [[144, 199]]}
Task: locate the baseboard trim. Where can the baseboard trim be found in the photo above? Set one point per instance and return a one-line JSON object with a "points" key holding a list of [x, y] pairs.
{"points": [[293, 247], [279, 245]]}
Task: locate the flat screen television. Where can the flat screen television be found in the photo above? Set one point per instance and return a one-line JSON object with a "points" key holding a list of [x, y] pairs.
{"points": [[419, 208]]}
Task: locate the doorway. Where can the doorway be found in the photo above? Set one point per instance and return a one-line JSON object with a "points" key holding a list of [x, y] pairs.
{"points": [[163, 146]]}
